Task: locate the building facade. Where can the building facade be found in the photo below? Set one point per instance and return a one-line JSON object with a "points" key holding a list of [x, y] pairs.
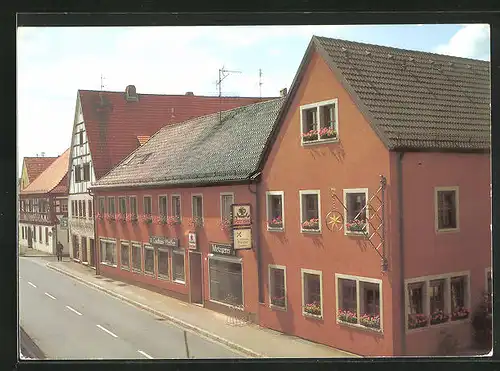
{"points": [[108, 126], [43, 208], [377, 242]]}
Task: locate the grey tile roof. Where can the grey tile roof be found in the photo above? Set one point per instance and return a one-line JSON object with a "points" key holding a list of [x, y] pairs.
{"points": [[415, 100], [201, 150]]}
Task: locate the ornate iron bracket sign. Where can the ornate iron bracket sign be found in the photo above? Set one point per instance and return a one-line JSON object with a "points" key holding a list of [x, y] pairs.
{"points": [[376, 219]]}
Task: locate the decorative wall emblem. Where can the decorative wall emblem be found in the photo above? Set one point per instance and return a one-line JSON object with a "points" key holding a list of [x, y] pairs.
{"points": [[241, 215], [192, 245]]}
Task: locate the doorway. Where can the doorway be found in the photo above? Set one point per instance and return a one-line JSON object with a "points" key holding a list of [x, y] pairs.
{"points": [[195, 278], [92, 253], [30, 238]]}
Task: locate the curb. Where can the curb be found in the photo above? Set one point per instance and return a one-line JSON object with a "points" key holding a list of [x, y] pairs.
{"points": [[169, 318]]}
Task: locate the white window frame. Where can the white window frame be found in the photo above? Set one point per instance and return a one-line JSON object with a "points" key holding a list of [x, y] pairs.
{"points": [[111, 240], [304, 271], [318, 105], [202, 206], [148, 247], [130, 205], [221, 204], [268, 210], [166, 206], [436, 209], [178, 252], [180, 204], [347, 191], [310, 192], [127, 243], [144, 197], [359, 279], [447, 297], [108, 198], [119, 204], [134, 244], [283, 268], [161, 276]]}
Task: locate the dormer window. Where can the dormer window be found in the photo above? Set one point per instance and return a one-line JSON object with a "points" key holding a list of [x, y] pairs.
{"points": [[131, 94]]}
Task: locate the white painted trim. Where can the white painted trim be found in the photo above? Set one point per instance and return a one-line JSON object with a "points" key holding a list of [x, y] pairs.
{"points": [[220, 201], [457, 211], [347, 191], [180, 204], [275, 193], [202, 206], [320, 274], [144, 204], [283, 268], [166, 206], [317, 105], [310, 192]]}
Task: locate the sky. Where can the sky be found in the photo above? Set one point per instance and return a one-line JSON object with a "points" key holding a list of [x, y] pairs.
{"points": [[54, 62]]}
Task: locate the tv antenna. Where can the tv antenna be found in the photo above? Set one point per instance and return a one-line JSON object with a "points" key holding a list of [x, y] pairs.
{"points": [[102, 82], [223, 73], [260, 83]]}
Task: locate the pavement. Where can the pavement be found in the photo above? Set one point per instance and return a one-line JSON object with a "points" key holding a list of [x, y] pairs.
{"points": [[247, 339], [69, 320], [29, 350]]}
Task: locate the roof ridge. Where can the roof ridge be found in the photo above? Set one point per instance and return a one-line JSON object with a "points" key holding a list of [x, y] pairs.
{"points": [[176, 95]]}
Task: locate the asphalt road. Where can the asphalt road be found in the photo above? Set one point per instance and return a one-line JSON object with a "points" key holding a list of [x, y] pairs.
{"points": [[68, 320]]}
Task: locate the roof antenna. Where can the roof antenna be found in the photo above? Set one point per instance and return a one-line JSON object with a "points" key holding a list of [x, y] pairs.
{"points": [[260, 83], [102, 82], [223, 73]]}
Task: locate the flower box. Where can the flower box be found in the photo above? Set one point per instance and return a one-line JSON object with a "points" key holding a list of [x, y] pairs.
{"points": [[327, 133], [225, 224], [146, 218], [347, 316], [121, 217], [311, 224], [99, 216], [160, 219], [132, 218], [275, 223], [417, 321], [372, 321], [460, 313], [310, 136], [357, 226], [109, 217], [196, 222], [313, 308], [439, 317], [173, 220], [279, 302]]}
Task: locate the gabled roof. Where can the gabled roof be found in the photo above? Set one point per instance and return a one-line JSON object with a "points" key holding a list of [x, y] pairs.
{"points": [[36, 165], [53, 179], [204, 150], [114, 124]]}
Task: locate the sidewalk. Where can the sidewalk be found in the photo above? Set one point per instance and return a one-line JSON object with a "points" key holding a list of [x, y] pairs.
{"points": [[249, 339], [25, 251]]}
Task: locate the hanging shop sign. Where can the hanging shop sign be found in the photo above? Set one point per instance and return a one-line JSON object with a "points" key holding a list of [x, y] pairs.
{"points": [[192, 245], [242, 238], [221, 249], [241, 215], [165, 241]]}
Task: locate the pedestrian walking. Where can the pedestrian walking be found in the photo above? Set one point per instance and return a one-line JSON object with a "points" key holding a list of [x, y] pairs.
{"points": [[59, 251]]}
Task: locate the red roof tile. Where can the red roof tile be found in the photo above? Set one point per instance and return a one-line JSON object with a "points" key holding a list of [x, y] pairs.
{"points": [[114, 124], [52, 179], [36, 165]]}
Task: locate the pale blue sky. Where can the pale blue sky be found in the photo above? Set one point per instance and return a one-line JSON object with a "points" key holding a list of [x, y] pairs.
{"points": [[53, 63]]}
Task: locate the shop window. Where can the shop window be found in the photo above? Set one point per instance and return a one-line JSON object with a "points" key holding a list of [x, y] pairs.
{"points": [[275, 210], [356, 213], [446, 208], [416, 314], [277, 287], [226, 282], [125, 255], [149, 260], [122, 204], [136, 258], [310, 211], [108, 252], [178, 274], [319, 122], [311, 293], [163, 264], [176, 206], [102, 205], [162, 205], [147, 205]]}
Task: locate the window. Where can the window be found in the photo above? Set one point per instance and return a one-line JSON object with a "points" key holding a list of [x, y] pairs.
{"points": [[90, 209], [133, 205], [436, 294], [80, 134], [122, 204], [147, 205], [46, 236], [163, 265], [86, 172], [125, 255], [275, 210], [162, 205], [356, 215], [277, 286], [149, 260], [73, 208], [78, 173], [64, 206], [446, 208], [226, 200], [311, 293], [34, 234], [136, 257], [79, 208], [310, 211], [178, 266], [197, 203], [111, 205], [416, 316], [458, 289], [226, 282], [40, 233], [22, 233], [102, 205], [84, 209], [319, 122], [176, 206], [108, 252]]}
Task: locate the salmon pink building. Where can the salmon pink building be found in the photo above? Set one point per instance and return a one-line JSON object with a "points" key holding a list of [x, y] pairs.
{"points": [[374, 205]]}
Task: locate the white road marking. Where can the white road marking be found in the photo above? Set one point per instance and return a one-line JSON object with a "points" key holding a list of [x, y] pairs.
{"points": [[29, 283], [109, 332], [50, 296], [145, 354], [73, 310]]}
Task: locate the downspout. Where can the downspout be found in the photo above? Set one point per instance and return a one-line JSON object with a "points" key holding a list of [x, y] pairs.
{"points": [[401, 252], [257, 236]]}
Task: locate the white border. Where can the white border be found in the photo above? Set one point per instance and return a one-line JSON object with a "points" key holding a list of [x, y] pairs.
{"points": [[283, 268], [317, 105], [276, 193], [346, 191], [320, 274], [111, 240], [310, 192], [220, 201], [457, 211]]}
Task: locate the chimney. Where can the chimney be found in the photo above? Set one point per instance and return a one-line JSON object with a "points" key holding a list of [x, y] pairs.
{"points": [[190, 93], [283, 92], [131, 94], [43, 154]]}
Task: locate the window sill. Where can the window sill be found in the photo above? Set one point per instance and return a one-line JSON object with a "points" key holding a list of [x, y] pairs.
{"points": [[125, 268], [85, 263], [439, 325], [276, 307], [109, 264], [310, 231], [138, 271], [149, 274], [319, 141], [314, 316], [75, 259], [180, 282], [355, 234], [360, 327], [227, 305], [275, 229], [163, 277], [448, 230]]}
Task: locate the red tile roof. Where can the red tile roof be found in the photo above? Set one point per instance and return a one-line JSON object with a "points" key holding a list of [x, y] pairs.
{"points": [[52, 180], [36, 165], [114, 124]]}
